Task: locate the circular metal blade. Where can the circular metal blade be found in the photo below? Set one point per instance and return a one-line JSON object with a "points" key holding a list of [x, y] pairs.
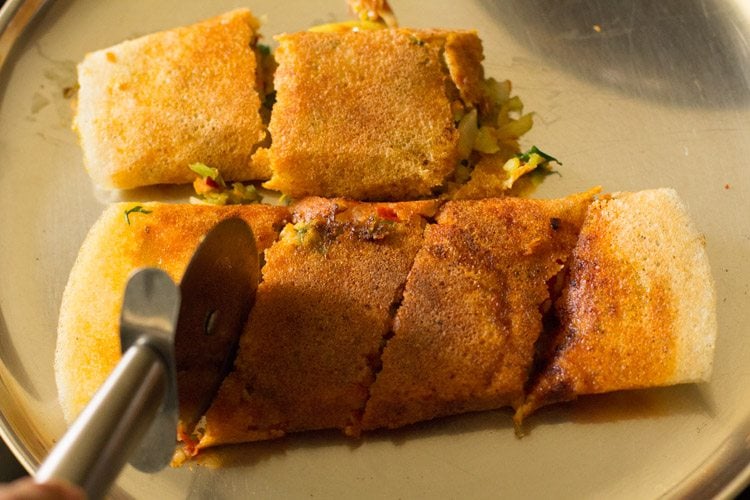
{"points": [[218, 290]]}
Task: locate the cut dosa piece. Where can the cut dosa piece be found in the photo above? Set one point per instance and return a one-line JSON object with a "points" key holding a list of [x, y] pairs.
{"points": [[330, 286], [369, 114], [464, 336], [639, 309], [128, 236], [148, 108]]}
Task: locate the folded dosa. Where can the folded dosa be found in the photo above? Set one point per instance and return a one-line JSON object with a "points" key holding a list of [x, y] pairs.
{"points": [[639, 309], [154, 235], [382, 314], [463, 338], [330, 285], [368, 114], [148, 108]]}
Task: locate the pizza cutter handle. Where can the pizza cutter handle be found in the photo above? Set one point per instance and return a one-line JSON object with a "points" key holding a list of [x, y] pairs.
{"points": [[98, 444]]}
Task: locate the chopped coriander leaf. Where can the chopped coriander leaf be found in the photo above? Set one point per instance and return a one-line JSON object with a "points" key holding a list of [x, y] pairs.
{"points": [[517, 167], [264, 49], [136, 209], [524, 157], [416, 41]]}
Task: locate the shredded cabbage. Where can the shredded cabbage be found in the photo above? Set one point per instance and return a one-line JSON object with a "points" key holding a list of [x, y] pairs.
{"points": [[467, 134], [211, 189], [516, 128], [205, 171], [486, 141], [344, 26]]}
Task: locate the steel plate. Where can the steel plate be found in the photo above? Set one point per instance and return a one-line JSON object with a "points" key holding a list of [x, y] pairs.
{"points": [[629, 95]]}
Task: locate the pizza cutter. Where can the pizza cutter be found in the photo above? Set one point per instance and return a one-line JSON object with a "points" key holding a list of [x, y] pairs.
{"points": [[177, 346]]}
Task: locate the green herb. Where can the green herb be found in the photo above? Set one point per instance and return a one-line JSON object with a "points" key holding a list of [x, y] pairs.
{"points": [[524, 157], [136, 209], [205, 171], [264, 50], [241, 194], [214, 198], [305, 232], [416, 41]]}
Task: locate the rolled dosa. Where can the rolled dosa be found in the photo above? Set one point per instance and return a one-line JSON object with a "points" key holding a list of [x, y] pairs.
{"points": [[639, 309], [128, 236], [368, 114], [148, 108], [377, 315]]}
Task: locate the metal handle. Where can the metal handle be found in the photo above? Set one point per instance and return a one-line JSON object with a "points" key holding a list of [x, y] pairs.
{"points": [[97, 445]]}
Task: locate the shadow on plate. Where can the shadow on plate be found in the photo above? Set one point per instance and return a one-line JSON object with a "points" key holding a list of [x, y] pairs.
{"points": [[625, 405], [678, 52], [248, 454], [589, 410]]}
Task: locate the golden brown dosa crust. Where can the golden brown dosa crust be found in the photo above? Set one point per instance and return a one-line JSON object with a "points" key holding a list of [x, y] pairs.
{"points": [[149, 107], [464, 335], [322, 310], [333, 342], [463, 55], [321, 208], [367, 115], [639, 310], [88, 345]]}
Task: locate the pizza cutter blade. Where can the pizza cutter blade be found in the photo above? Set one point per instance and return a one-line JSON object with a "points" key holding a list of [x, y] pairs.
{"points": [[177, 343]]}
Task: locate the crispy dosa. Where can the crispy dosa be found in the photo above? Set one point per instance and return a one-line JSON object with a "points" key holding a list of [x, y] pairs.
{"points": [[463, 338], [148, 108], [639, 309], [154, 235], [368, 114], [330, 285], [377, 315]]}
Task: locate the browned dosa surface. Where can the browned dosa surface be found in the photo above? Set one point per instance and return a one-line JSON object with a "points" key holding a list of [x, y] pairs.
{"points": [[329, 288], [88, 341], [639, 309], [147, 108], [367, 114], [382, 314], [463, 338]]}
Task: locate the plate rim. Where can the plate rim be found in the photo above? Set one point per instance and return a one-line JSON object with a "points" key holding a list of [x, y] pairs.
{"points": [[18, 17]]}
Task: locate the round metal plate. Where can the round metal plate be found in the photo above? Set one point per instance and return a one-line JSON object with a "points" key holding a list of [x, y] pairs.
{"points": [[629, 95]]}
